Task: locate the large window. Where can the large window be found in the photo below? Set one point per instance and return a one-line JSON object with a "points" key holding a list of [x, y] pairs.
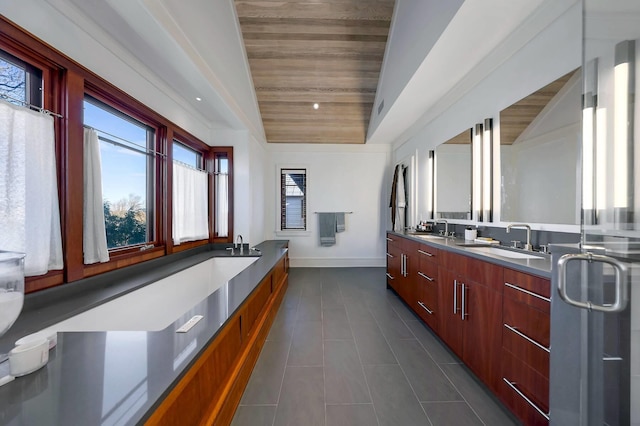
{"points": [[293, 199], [127, 156], [20, 83]]}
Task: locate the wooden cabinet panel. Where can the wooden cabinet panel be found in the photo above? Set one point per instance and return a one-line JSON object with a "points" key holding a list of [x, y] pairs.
{"points": [[529, 289], [427, 305], [531, 384], [485, 273], [428, 252], [256, 304], [482, 318], [428, 270], [523, 322], [450, 325]]}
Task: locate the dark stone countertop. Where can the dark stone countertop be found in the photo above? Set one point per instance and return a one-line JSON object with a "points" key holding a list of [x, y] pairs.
{"points": [[540, 266], [118, 377]]}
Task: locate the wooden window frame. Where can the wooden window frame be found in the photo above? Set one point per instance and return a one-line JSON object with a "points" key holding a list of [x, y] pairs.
{"points": [[212, 156], [65, 83], [282, 204]]}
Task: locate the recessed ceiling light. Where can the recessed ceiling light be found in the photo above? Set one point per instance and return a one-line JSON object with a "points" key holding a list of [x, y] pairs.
{"points": [[198, 99], [316, 106]]}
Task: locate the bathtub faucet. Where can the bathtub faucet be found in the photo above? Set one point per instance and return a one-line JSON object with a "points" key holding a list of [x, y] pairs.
{"points": [[239, 237]]}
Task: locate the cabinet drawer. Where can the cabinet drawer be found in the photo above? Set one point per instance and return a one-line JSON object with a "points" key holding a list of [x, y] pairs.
{"points": [[394, 240], [427, 272], [529, 289], [479, 271], [526, 334], [524, 391], [427, 252], [427, 304]]}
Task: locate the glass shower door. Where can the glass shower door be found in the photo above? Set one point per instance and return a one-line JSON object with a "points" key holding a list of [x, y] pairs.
{"points": [[595, 342]]}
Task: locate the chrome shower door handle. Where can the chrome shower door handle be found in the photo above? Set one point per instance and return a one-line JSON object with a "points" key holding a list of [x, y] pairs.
{"points": [[621, 272]]}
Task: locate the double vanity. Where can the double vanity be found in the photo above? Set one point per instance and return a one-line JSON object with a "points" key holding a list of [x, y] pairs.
{"points": [[490, 305]]}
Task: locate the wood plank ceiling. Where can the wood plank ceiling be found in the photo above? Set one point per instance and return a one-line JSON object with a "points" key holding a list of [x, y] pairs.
{"points": [[517, 117], [303, 52]]}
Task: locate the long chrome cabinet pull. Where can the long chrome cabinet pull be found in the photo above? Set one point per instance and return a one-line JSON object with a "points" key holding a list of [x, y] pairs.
{"points": [[390, 255], [427, 277], [463, 313], [455, 297], [389, 239], [530, 293], [524, 336], [523, 396], [425, 253], [389, 276], [406, 272], [621, 282], [429, 311]]}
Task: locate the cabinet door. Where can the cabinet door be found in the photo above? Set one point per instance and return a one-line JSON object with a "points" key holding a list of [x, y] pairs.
{"points": [[482, 341], [450, 325], [409, 290]]}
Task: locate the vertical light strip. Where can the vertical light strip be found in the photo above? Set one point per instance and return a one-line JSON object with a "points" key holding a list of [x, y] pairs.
{"points": [[587, 155], [487, 170], [623, 129], [477, 172], [601, 161], [620, 136], [431, 176]]}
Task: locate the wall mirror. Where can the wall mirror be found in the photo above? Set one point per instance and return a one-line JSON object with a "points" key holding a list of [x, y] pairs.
{"points": [[539, 148], [453, 165]]}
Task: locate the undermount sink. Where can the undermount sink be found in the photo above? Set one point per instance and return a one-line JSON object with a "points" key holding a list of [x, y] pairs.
{"points": [[428, 237], [505, 253]]}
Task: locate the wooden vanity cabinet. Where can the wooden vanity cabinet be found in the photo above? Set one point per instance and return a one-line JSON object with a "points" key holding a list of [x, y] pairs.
{"points": [[471, 320], [525, 346]]}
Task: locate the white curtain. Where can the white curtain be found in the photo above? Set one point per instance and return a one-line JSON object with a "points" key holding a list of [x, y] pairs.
{"points": [[190, 204], [94, 235], [222, 205], [29, 209]]}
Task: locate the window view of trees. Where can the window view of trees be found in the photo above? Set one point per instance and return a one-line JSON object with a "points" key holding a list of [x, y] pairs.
{"points": [[127, 168], [125, 222], [12, 81]]}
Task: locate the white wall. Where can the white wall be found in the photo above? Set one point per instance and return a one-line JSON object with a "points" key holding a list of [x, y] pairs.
{"points": [[550, 54], [339, 178], [416, 26], [105, 57]]}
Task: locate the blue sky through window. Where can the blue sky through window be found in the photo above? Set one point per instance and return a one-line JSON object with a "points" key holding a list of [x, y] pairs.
{"points": [[124, 170]]}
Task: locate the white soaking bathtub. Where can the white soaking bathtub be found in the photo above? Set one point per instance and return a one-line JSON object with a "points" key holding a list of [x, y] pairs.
{"points": [[157, 305]]}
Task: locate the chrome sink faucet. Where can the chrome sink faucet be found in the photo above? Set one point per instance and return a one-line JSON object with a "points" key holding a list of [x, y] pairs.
{"points": [[446, 226], [239, 237], [528, 245]]}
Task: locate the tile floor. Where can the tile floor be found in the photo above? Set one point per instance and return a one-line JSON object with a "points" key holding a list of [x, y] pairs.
{"points": [[344, 350]]}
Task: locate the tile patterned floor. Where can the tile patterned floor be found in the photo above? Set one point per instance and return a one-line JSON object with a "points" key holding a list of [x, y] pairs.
{"points": [[344, 350]]}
